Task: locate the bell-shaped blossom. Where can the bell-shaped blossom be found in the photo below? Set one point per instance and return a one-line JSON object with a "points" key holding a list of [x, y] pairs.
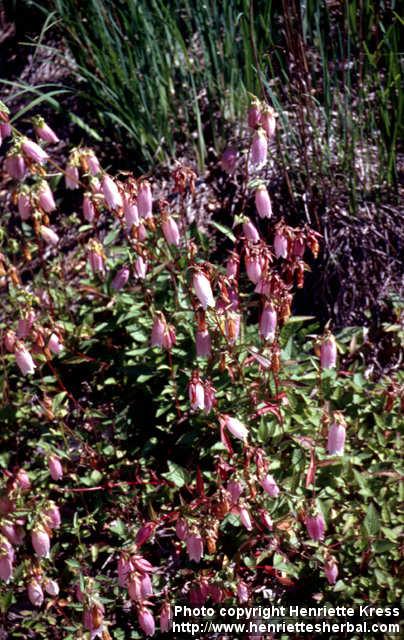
{"points": [[35, 593], [181, 528], [328, 352], [246, 518], [24, 205], [144, 200], [33, 151], [203, 289], [52, 588], [146, 621], [250, 231], [281, 245], [194, 544], [52, 516], [44, 131], [165, 617], [55, 344], [269, 485], [331, 570], [268, 322], [125, 568], [263, 202], [121, 279], [315, 526], [88, 209], [259, 148], [171, 231], [111, 193], [140, 267], [40, 541], [15, 166], [24, 359], [130, 212], [228, 161], [236, 427], [55, 468], [336, 438], [235, 489], [72, 178], [203, 343], [268, 121], [196, 393], [49, 235], [254, 114]]}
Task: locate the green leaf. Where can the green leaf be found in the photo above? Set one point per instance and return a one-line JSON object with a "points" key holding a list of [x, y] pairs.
{"points": [[176, 474], [372, 520], [223, 229]]}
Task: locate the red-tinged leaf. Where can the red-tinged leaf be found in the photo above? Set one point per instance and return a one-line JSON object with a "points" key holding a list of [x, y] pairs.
{"points": [[311, 471], [199, 482], [287, 582], [269, 408], [262, 360], [225, 438]]}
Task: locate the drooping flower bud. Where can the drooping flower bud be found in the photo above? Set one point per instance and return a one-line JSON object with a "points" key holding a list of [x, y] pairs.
{"points": [[232, 265], [72, 177], [54, 344], [120, 279], [35, 593], [131, 213], [171, 231], [52, 516], [55, 468], [269, 485], [228, 160], [23, 480], [181, 528], [49, 235], [253, 266], [209, 397], [250, 231], [24, 359], [88, 209], [268, 121], [140, 267], [40, 541], [146, 586], [33, 151], [165, 613], [146, 621], [331, 570], [328, 352], [254, 114], [196, 393], [52, 588], [245, 518], [134, 587], [9, 340], [315, 527], [96, 258], [93, 619], [44, 131], [25, 324], [93, 163], [259, 148], [236, 428], [203, 290], [125, 568], [144, 200], [194, 545], [268, 322], [336, 437], [15, 166], [203, 344], [13, 532], [24, 205], [232, 327], [111, 193], [281, 245], [263, 202], [6, 568], [235, 489]]}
